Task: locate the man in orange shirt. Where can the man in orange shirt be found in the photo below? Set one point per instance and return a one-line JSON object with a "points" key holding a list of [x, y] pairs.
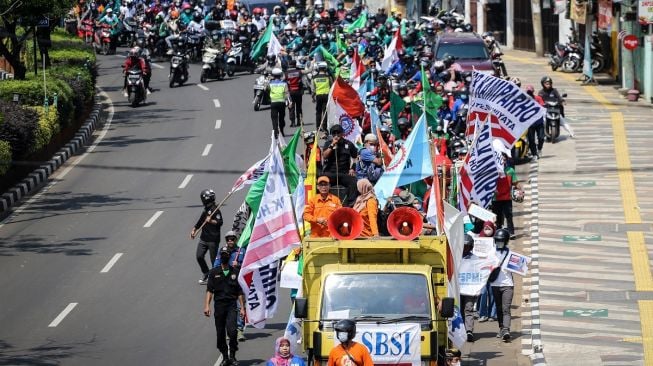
{"points": [[348, 352], [320, 207]]}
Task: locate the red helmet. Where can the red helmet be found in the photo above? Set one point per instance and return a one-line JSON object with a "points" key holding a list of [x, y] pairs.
{"points": [[258, 11], [233, 14]]}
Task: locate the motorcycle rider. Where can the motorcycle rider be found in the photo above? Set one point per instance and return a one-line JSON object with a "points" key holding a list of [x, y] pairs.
{"points": [[173, 29], [550, 94], [196, 25], [111, 19], [135, 61], [321, 86], [296, 90], [258, 20], [278, 90], [186, 15]]}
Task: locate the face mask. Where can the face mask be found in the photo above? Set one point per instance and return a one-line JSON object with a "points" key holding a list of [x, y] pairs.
{"points": [[456, 364], [372, 149], [417, 207], [500, 245], [342, 337]]}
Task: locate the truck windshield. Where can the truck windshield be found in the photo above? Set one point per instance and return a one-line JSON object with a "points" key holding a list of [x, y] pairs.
{"points": [[383, 295]]}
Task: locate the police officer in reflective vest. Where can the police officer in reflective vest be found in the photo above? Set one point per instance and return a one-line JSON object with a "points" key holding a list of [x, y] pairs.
{"points": [[278, 90], [321, 86], [296, 88]]}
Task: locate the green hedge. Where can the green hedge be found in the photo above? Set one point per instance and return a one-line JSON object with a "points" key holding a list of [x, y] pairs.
{"points": [[48, 126], [5, 157]]}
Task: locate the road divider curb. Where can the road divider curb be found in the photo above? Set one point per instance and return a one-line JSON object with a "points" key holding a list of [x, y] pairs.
{"points": [[39, 176]]}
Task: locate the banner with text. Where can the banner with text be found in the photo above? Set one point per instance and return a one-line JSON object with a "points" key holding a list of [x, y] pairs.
{"points": [[390, 344]]}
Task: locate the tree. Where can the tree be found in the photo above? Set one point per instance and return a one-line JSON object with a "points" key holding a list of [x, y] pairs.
{"points": [[17, 21]]}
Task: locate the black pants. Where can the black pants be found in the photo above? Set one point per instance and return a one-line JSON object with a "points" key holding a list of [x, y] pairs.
{"points": [[348, 182], [320, 106], [202, 248], [503, 297], [503, 210], [296, 108], [536, 131], [278, 115], [226, 316], [467, 305]]}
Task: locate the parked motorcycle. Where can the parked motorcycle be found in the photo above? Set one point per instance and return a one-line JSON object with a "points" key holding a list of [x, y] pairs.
{"points": [[568, 57], [135, 87], [212, 65], [260, 92]]}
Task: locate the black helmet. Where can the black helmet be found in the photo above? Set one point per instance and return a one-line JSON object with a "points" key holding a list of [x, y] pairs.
{"points": [[292, 18], [309, 137], [346, 325], [546, 79], [502, 236], [452, 352], [402, 121], [271, 59], [208, 197], [469, 240], [430, 29], [324, 38]]}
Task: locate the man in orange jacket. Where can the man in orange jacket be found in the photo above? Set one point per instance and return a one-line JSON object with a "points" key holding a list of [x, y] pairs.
{"points": [[320, 207]]}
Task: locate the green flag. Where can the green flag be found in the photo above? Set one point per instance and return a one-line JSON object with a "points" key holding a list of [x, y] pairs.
{"points": [[358, 23], [340, 44], [253, 200], [261, 46], [290, 162], [330, 60], [432, 102], [396, 105]]}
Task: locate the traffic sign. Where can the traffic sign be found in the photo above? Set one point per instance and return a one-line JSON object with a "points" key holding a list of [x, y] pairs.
{"points": [[43, 22], [631, 42], [578, 183], [593, 313], [595, 237]]}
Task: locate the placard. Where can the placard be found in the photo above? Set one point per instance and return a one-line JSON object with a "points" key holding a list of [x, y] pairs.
{"points": [[289, 276], [483, 214], [516, 263], [483, 246], [390, 344]]}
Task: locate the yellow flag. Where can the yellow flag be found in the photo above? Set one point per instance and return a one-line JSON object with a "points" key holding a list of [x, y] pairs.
{"points": [[310, 184]]}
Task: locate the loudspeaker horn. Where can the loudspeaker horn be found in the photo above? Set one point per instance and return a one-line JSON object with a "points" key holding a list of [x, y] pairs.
{"points": [[345, 223], [405, 223]]}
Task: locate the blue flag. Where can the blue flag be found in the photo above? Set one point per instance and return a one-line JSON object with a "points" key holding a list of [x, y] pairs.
{"points": [[411, 162], [365, 88], [375, 119]]}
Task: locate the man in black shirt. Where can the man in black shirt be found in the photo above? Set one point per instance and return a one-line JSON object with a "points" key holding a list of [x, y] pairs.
{"points": [[337, 154], [210, 221], [223, 288]]}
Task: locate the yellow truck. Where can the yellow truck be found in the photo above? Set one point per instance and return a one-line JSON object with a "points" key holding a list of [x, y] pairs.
{"points": [[389, 287]]}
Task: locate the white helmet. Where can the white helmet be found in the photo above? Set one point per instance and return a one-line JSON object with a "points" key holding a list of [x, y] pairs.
{"points": [[287, 27], [276, 72]]}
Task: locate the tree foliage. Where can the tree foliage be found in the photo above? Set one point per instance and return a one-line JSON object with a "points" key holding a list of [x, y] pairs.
{"points": [[16, 25]]}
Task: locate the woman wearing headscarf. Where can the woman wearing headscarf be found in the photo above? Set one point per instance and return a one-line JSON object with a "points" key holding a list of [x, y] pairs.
{"points": [[367, 205], [283, 354]]}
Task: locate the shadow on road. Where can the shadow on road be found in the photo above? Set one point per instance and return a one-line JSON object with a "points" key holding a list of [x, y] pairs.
{"points": [[50, 353], [41, 245]]}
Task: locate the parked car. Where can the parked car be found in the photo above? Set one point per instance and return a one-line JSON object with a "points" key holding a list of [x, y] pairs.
{"points": [[468, 49]]}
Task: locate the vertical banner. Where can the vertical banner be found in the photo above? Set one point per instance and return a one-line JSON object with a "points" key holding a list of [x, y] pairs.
{"points": [[605, 14], [587, 59]]}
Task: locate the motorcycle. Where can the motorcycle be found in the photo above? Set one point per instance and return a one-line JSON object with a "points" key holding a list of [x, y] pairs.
{"points": [[135, 87], [552, 120], [103, 39], [237, 60], [128, 34], [568, 57], [260, 92], [86, 33], [194, 43], [212, 65], [178, 69]]}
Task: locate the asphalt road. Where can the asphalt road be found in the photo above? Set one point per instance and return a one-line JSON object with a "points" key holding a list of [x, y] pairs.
{"points": [[63, 303]]}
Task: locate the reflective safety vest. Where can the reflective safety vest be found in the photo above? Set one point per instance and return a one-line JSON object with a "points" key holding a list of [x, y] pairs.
{"points": [[321, 85], [277, 91]]}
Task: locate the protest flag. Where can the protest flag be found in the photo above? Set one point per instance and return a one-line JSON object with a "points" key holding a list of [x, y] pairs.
{"points": [[390, 55], [343, 108], [385, 149], [261, 44], [397, 105], [358, 23], [453, 228], [356, 70], [274, 47]]}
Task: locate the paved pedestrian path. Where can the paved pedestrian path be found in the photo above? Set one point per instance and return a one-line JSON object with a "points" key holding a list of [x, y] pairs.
{"points": [[591, 294]]}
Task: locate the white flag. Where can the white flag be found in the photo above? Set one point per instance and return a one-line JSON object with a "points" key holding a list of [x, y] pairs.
{"points": [[274, 47], [273, 236], [453, 227]]}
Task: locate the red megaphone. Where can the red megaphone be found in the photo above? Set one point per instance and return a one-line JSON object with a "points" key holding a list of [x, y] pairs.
{"points": [[405, 223], [345, 223]]}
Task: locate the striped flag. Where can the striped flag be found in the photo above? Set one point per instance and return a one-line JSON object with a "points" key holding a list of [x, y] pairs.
{"points": [[356, 70], [273, 236]]}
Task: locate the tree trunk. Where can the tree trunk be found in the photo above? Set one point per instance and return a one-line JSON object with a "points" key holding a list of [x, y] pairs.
{"points": [[13, 56]]}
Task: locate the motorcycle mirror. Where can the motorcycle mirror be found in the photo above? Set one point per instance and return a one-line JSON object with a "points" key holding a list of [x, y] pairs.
{"points": [[564, 95]]}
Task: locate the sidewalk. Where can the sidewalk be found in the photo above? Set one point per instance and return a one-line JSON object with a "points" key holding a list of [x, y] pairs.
{"points": [[591, 289]]}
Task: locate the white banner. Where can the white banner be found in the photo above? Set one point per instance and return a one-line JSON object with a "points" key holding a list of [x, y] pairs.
{"points": [[483, 247], [478, 177], [511, 110], [474, 273], [390, 344], [263, 296]]}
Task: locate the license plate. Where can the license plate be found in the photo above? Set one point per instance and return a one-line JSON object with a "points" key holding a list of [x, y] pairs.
{"points": [[258, 87]]}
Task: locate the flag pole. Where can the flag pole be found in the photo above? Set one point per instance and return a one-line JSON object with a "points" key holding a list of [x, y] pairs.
{"points": [[436, 182], [218, 207]]}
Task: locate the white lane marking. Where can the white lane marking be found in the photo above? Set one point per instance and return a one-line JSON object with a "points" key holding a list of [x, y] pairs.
{"points": [[153, 218], [112, 261], [203, 88], [207, 149], [157, 66], [62, 315], [217, 363], [184, 183], [57, 177], [218, 124], [217, 103]]}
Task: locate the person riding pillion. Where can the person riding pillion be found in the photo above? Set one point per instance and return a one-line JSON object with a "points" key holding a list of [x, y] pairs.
{"points": [[279, 96]]}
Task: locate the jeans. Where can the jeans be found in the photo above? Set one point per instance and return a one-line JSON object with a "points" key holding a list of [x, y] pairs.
{"points": [[503, 210], [202, 248], [536, 132], [467, 304], [225, 324], [503, 296], [486, 306]]}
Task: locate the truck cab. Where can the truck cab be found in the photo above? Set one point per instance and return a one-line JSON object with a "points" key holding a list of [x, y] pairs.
{"points": [[390, 288]]}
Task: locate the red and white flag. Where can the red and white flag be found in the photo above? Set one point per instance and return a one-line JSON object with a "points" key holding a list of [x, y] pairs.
{"points": [[274, 235], [254, 172], [479, 174], [390, 55], [357, 69], [343, 108]]}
